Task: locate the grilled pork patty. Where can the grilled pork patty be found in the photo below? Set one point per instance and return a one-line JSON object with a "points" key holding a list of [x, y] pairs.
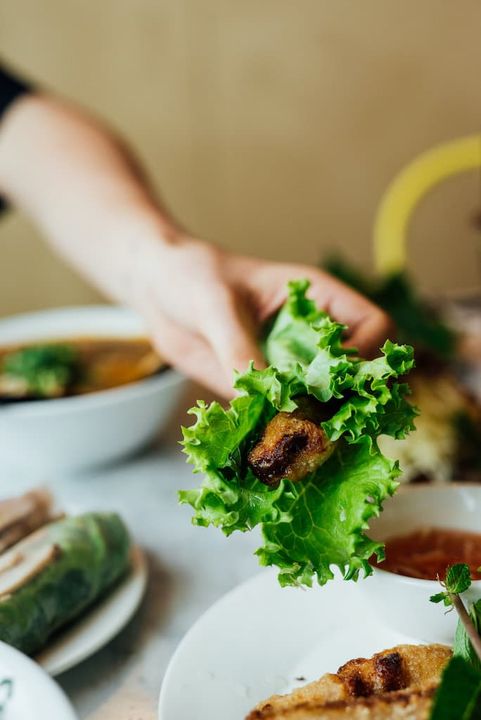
{"points": [[292, 446], [396, 684]]}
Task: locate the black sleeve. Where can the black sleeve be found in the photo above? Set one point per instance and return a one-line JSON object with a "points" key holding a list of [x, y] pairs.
{"points": [[11, 88]]}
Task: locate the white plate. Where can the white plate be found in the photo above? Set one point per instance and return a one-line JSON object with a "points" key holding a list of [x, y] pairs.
{"points": [[261, 639], [94, 630], [34, 694]]}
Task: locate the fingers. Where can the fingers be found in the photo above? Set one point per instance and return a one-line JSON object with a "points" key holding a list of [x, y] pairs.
{"points": [[216, 331], [368, 326], [371, 332], [229, 326], [192, 355]]}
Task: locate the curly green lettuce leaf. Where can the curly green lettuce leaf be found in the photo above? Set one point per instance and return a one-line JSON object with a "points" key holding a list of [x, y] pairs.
{"points": [[321, 520], [313, 525], [305, 345]]}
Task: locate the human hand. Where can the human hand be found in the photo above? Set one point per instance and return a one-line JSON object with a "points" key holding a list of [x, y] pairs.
{"points": [[206, 309]]}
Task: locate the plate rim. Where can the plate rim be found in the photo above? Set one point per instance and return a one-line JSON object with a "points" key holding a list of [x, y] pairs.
{"points": [[167, 706], [186, 637]]}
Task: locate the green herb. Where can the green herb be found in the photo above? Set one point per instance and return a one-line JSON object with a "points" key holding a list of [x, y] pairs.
{"points": [[463, 646], [42, 370], [417, 323], [320, 522], [458, 580], [458, 696]]}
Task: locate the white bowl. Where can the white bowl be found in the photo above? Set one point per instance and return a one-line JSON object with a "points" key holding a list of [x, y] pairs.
{"points": [[74, 433], [400, 602]]}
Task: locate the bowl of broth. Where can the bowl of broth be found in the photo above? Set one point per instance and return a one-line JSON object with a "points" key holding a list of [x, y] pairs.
{"points": [[80, 387], [425, 530]]}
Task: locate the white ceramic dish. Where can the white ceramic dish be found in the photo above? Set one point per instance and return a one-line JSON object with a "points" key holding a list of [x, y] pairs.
{"points": [[75, 433], [401, 602], [94, 630], [34, 695], [261, 639]]}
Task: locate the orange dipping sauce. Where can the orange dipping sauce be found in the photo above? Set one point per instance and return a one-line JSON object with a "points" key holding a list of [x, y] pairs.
{"points": [[427, 553]]}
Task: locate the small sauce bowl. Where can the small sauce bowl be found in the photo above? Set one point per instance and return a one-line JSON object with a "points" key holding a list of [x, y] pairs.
{"points": [[400, 602]]}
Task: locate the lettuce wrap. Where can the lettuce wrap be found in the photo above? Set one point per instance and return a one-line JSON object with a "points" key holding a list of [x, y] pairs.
{"points": [[312, 525]]}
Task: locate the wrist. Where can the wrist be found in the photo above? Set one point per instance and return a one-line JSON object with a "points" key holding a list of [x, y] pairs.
{"points": [[167, 264], [157, 253], [138, 243]]}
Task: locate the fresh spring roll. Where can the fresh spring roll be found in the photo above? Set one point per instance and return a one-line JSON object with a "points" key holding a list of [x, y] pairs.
{"points": [[53, 575]]}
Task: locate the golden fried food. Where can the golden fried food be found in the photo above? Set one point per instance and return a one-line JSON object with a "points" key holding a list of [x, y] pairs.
{"points": [[396, 683], [401, 705], [292, 446]]}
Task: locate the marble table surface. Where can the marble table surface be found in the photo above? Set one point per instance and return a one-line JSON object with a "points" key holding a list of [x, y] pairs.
{"points": [[189, 568]]}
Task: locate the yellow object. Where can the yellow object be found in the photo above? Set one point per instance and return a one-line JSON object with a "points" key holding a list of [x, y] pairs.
{"points": [[408, 188]]}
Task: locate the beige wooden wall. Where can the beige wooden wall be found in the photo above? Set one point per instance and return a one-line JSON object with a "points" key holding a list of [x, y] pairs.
{"points": [[272, 126]]}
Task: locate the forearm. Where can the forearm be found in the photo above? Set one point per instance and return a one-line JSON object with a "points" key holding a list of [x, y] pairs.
{"points": [[204, 307], [81, 186]]}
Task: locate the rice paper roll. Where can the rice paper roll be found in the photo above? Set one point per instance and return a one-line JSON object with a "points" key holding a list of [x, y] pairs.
{"points": [[53, 575]]}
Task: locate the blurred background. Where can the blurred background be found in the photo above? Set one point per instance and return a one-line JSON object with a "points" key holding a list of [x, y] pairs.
{"points": [[271, 127]]}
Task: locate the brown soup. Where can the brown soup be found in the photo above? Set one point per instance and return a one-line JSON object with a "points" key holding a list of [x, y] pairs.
{"points": [[103, 363], [427, 553]]}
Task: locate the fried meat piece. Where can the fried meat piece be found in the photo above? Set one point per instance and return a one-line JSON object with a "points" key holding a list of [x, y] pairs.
{"points": [[396, 683], [292, 446]]}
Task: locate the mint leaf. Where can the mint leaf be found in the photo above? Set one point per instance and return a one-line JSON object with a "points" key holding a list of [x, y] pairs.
{"points": [[459, 693], [458, 579], [441, 597], [462, 645]]}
